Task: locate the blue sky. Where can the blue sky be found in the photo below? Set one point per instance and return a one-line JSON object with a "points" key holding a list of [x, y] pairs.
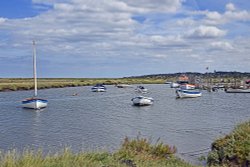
{"points": [[118, 38]]}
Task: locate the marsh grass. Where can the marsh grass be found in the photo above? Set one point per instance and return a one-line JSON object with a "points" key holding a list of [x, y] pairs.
{"points": [[133, 153], [45, 83]]}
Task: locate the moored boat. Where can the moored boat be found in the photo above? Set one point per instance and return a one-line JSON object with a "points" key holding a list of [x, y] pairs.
{"points": [[231, 90], [142, 101], [174, 85], [99, 88], [141, 89], [34, 102], [181, 93], [123, 86]]}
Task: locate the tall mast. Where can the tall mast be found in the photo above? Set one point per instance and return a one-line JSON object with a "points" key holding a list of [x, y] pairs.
{"points": [[34, 68]]}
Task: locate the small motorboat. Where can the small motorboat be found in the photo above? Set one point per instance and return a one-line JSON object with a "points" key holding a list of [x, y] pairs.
{"points": [[181, 93], [123, 86], [141, 89], [168, 82], [142, 101], [99, 88], [231, 90], [174, 85]]}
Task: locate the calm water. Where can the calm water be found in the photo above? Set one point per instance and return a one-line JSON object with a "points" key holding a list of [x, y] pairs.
{"points": [[93, 121]]}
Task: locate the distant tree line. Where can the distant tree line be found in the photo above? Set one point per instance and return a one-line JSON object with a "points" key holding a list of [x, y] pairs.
{"points": [[215, 74]]}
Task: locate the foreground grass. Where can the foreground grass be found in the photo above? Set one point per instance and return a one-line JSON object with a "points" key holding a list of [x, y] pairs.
{"points": [[43, 83], [233, 149], [133, 153]]}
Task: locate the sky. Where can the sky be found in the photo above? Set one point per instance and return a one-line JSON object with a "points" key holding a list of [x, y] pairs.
{"points": [[121, 38]]}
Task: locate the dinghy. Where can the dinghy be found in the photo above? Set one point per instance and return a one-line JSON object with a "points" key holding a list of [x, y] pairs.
{"points": [[99, 88], [142, 101]]}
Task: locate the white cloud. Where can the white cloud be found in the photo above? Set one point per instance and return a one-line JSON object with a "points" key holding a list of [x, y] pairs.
{"points": [[238, 16], [2, 20], [230, 7], [214, 16], [87, 31], [165, 39], [221, 45], [194, 56], [139, 6], [231, 14], [46, 1], [64, 7], [159, 5], [209, 61], [186, 22], [160, 56], [207, 32]]}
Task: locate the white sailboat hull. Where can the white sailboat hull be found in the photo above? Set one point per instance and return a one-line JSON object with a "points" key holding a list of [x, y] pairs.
{"points": [[34, 103]]}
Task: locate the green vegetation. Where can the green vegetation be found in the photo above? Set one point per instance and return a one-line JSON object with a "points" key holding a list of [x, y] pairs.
{"points": [[45, 83], [233, 149], [133, 153]]}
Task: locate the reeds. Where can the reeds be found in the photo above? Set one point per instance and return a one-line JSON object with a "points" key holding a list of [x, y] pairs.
{"points": [[133, 153]]}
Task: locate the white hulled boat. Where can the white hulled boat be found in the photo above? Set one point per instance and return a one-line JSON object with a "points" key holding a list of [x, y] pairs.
{"points": [[99, 88], [34, 102], [142, 101], [181, 93], [174, 85], [141, 89], [124, 86]]}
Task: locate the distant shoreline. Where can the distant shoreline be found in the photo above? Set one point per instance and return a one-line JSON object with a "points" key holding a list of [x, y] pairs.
{"points": [[230, 78], [16, 84]]}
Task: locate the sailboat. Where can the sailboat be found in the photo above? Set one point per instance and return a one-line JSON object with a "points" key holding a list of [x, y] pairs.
{"points": [[34, 102]]}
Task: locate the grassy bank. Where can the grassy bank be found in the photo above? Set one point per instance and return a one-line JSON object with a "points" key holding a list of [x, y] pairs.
{"points": [[233, 149], [44, 83], [133, 153]]}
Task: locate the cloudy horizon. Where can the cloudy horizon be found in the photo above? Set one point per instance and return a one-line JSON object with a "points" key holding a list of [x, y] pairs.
{"points": [[119, 38]]}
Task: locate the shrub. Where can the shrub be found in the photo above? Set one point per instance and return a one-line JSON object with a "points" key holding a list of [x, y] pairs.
{"points": [[233, 149], [142, 146]]}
